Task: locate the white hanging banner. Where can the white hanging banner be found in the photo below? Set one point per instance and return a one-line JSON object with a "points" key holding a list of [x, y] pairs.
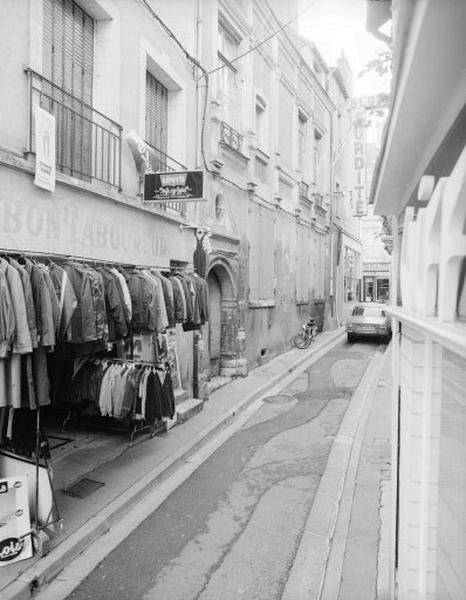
{"points": [[45, 149], [15, 543]]}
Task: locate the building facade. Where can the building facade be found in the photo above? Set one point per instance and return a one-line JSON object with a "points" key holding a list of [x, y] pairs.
{"points": [[420, 184], [270, 135], [133, 89]]}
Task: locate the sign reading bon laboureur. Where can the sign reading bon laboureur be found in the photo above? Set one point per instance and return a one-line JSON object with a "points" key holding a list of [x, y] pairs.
{"points": [[173, 186]]}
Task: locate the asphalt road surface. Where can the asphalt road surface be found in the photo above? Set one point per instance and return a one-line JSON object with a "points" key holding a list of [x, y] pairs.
{"points": [[232, 529]]}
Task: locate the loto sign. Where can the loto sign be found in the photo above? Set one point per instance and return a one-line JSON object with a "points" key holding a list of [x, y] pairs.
{"points": [[15, 540]]}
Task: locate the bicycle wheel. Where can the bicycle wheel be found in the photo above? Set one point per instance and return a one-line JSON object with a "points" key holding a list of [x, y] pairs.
{"points": [[301, 340]]}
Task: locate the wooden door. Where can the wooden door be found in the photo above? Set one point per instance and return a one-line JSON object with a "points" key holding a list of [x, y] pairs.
{"points": [[214, 322]]}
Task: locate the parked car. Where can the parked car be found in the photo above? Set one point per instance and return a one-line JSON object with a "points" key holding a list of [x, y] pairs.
{"points": [[369, 320]]}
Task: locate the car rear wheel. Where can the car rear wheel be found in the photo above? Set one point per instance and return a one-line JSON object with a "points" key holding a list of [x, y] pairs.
{"points": [[350, 337]]}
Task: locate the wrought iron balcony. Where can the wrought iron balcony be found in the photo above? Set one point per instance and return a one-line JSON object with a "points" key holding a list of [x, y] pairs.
{"points": [[161, 162], [230, 137], [88, 144]]}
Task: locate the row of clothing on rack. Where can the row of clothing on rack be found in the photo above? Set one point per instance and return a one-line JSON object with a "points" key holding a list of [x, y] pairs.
{"points": [[121, 389], [43, 303]]}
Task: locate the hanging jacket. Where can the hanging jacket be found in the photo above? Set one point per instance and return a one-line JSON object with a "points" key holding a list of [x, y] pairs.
{"points": [[178, 299], [42, 304], [66, 298], [149, 315], [117, 326], [89, 320], [127, 306], [29, 299], [160, 309], [187, 295], [7, 315], [202, 292], [53, 296], [167, 296], [22, 343]]}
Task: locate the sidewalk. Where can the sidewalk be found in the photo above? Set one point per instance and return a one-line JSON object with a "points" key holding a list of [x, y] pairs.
{"points": [[344, 550], [134, 471]]}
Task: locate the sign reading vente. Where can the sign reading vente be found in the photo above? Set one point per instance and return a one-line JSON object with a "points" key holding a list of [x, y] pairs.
{"points": [[176, 186], [45, 149]]}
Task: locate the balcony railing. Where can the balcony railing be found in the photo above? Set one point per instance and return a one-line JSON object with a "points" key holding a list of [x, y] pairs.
{"points": [[319, 200], [304, 190], [230, 137], [88, 144], [161, 162]]}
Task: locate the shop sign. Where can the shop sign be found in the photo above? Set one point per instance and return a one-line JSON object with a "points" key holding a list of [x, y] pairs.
{"points": [[15, 543], [45, 149], [377, 266], [146, 158], [360, 168], [173, 186]]}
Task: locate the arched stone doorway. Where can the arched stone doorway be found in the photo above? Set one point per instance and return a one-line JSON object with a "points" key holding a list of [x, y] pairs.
{"points": [[224, 350]]}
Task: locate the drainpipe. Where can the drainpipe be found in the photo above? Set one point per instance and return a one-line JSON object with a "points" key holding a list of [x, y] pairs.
{"points": [[332, 273]]}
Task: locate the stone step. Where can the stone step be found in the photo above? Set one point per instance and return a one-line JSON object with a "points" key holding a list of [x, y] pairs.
{"points": [[218, 382], [188, 408], [180, 396]]}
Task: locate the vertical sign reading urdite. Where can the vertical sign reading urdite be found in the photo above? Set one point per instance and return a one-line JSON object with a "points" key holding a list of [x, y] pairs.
{"points": [[360, 167]]}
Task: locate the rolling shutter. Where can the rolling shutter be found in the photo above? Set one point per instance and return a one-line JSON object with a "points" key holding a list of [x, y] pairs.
{"points": [[156, 115], [68, 58]]}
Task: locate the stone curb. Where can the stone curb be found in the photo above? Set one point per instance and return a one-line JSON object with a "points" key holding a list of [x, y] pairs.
{"points": [[307, 577], [48, 567]]}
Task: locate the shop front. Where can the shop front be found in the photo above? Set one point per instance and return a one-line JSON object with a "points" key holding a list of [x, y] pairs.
{"points": [[376, 282], [99, 304]]}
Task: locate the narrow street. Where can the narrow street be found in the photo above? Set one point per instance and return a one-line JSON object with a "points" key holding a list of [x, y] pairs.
{"points": [[232, 529]]}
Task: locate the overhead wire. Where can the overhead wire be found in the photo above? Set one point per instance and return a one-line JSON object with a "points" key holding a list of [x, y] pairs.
{"points": [[272, 35], [205, 73]]}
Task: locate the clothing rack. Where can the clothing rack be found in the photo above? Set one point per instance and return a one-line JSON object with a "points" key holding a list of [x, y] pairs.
{"points": [[98, 423], [102, 422], [72, 257]]}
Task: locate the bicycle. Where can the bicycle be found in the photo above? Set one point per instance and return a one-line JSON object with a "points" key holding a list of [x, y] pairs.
{"points": [[304, 338]]}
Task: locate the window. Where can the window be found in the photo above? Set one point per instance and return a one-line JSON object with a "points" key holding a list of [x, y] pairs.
{"points": [[303, 266], [88, 144], [156, 116], [317, 156], [262, 136], [319, 266], [302, 142], [261, 254], [286, 125], [367, 311], [260, 170], [68, 50], [226, 76]]}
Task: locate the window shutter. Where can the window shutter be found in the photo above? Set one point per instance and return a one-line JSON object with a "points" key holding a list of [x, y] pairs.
{"points": [[156, 115], [68, 55]]}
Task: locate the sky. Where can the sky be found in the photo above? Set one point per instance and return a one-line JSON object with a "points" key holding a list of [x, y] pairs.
{"points": [[336, 25]]}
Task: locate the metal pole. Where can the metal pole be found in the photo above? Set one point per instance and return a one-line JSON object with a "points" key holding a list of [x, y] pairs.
{"points": [[200, 266]]}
